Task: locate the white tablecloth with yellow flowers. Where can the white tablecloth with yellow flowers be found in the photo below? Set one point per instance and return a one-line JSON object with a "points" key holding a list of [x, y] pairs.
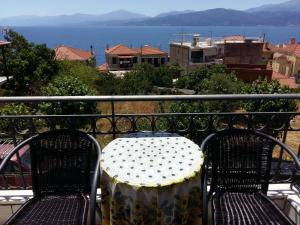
{"points": [[151, 179]]}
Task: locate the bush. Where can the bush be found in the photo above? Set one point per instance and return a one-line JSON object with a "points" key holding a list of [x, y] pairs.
{"points": [[268, 87], [14, 110], [68, 86]]}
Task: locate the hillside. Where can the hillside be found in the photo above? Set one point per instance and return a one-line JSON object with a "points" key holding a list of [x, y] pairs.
{"points": [[289, 6], [224, 17], [74, 19]]}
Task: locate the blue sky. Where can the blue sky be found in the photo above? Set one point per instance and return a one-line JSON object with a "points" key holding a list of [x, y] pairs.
{"points": [[148, 7]]}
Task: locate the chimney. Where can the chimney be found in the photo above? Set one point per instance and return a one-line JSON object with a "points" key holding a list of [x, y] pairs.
{"points": [[293, 41], [107, 46], [267, 45], [92, 50], [196, 39]]}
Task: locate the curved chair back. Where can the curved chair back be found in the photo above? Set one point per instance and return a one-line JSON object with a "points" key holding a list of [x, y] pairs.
{"points": [[61, 161], [240, 160]]}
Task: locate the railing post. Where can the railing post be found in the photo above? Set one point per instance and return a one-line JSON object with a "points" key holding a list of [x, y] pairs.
{"points": [[13, 132], [113, 118]]}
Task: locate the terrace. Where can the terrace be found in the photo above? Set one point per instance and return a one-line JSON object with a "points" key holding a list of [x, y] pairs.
{"points": [[119, 117]]}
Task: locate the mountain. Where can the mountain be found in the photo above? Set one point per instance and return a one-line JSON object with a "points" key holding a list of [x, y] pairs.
{"points": [[172, 13], [74, 19], [290, 6], [224, 17]]}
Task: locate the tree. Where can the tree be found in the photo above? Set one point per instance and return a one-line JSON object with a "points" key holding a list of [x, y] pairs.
{"points": [[14, 109], [194, 79], [30, 65], [268, 87], [142, 78], [80, 70], [68, 86]]}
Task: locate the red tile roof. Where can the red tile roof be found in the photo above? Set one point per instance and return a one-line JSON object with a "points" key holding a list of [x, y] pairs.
{"points": [[2, 43], [103, 67], [63, 52], [148, 50], [291, 49], [123, 50], [120, 50], [285, 80], [234, 38]]}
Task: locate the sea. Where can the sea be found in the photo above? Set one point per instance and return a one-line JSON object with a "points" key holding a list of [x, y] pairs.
{"points": [[136, 36]]}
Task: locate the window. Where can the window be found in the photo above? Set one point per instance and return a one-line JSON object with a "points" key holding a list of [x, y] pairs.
{"points": [[143, 60], [197, 56], [150, 60], [114, 60], [163, 61], [135, 60]]}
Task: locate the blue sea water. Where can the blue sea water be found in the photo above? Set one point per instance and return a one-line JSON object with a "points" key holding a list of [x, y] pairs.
{"points": [[136, 36]]}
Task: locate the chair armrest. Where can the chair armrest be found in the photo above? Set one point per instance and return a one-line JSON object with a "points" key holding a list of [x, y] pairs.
{"points": [[95, 182], [205, 197], [14, 151]]}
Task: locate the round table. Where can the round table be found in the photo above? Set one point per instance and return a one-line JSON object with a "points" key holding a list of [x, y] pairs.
{"points": [[151, 178]]}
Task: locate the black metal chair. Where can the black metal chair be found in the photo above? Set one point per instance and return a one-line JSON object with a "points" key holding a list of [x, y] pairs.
{"points": [[61, 165], [238, 164]]}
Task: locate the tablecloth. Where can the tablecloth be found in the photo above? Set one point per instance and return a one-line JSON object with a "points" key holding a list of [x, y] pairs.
{"points": [[151, 178]]}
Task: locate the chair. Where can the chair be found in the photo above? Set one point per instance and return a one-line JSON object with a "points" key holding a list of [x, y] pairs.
{"points": [[61, 162], [238, 163]]}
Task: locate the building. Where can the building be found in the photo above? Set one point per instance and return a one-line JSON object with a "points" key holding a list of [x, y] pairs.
{"points": [[286, 59], [190, 54], [268, 53], [121, 57], [250, 72], [63, 52], [242, 50]]}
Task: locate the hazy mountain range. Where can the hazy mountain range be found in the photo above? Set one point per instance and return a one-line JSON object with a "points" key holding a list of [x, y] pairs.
{"points": [[283, 14]]}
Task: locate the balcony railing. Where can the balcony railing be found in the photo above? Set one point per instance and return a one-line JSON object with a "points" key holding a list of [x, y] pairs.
{"points": [[116, 121]]}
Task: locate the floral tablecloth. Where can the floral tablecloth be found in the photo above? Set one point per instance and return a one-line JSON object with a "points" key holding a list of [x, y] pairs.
{"points": [[151, 178]]}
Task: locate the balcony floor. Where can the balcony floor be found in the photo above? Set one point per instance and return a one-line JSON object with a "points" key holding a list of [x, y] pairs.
{"points": [[287, 199]]}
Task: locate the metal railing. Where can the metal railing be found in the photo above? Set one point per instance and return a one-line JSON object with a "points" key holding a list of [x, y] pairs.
{"points": [[106, 127]]}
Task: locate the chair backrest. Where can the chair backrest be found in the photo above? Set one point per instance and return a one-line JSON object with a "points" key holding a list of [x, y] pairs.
{"points": [[61, 161], [240, 160]]}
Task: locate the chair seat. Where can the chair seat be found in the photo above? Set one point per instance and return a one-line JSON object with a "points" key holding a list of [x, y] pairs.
{"points": [[247, 209], [52, 210]]}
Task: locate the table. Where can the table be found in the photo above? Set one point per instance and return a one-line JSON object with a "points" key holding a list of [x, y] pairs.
{"points": [[151, 178]]}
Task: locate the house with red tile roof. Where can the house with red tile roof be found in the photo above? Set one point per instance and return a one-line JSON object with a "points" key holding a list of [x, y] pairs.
{"points": [[121, 57], [286, 59], [63, 52]]}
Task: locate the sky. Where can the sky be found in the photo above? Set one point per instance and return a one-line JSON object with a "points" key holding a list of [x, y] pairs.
{"points": [[9, 8]]}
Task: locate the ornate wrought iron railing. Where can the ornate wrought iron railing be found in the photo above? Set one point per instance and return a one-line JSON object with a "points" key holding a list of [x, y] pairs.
{"points": [[195, 125]]}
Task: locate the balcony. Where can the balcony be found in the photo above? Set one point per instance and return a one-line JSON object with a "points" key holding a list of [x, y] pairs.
{"points": [[122, 115]]}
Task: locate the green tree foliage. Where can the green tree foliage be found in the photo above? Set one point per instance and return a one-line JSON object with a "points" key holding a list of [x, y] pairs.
{"points": [[221, 83], [109, 84], [194, 79], [30, 65], [268, 87], [68, 86], [210, 80], [143, 77], [79, 70], [14, 109]]}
